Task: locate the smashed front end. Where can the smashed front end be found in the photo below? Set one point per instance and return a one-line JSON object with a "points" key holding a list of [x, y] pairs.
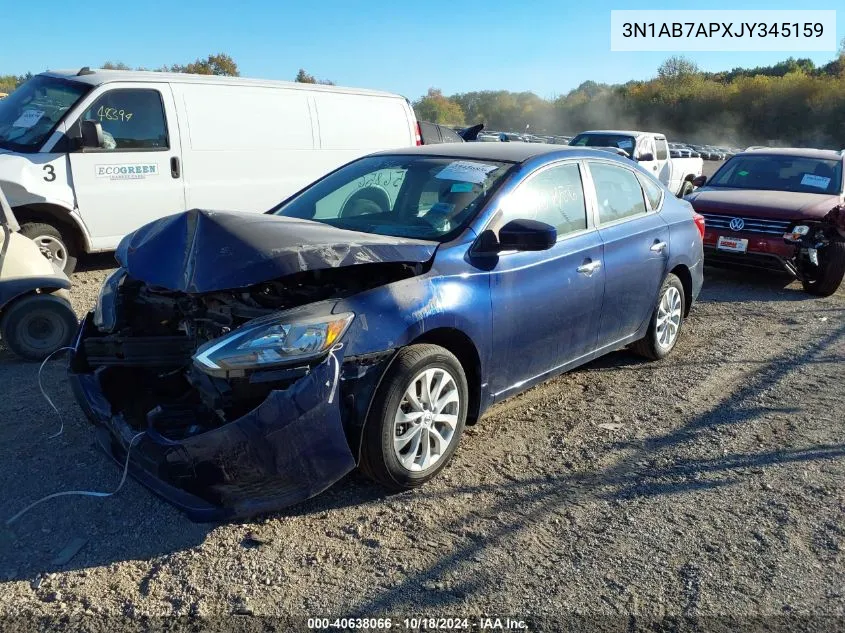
{"points": [[234, 402]]}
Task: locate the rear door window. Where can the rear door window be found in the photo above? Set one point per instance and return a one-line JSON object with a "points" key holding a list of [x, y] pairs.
{"points": [[653, 192], [618, 192], [662, 149]]}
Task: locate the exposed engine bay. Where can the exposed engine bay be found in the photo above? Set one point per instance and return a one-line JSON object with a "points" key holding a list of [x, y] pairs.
{"points": [[144, 363], [218, 364]]}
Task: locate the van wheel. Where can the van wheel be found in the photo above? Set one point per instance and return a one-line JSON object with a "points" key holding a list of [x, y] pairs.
{"points": [[827, 277], [686, 189], [37, 325], [666, 321], [416, 419], [54, 244]]}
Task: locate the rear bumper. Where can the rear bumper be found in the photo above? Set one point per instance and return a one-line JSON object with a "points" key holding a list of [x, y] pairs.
{"points": [[768, 252], [289, 448]]}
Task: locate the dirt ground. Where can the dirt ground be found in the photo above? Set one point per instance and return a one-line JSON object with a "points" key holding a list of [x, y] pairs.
{"points": [[710, 483]]}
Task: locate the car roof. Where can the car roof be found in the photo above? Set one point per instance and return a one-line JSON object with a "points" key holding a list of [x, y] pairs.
{"points": [[508, 152], [801, 152], [99, 76]]}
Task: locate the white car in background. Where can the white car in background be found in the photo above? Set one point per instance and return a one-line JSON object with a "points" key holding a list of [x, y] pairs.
{"points": [[651, 151], [88, 156]]}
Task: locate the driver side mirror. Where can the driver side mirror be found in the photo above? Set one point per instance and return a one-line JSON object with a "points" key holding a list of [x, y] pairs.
{"points": [[648, 156], [92, 134], [527, 235], [699, 181]]}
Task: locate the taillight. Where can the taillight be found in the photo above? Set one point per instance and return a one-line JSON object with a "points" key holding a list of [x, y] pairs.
{"points": [[419, 134], [699, 222]]}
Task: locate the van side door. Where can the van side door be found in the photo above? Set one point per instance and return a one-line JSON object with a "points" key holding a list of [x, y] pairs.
{"points": [[136, 176]]}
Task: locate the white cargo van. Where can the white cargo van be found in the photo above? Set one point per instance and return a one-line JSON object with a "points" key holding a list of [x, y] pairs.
{"points": [[88, 156]]}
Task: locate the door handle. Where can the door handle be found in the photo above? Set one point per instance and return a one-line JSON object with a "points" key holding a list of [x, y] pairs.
{"points": [[174, 167], [589, 267], [658, 247]]}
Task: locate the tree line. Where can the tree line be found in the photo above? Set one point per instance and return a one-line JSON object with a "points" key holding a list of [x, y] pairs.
{"points": [[219, 64], [791, 102]]}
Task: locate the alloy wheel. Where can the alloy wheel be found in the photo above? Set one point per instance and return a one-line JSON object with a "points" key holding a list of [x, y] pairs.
{"points": [[425, 422], [669, 313]]}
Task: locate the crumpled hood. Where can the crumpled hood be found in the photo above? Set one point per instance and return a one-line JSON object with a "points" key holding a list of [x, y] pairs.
{"points": [[781, 205], [201, 251]]}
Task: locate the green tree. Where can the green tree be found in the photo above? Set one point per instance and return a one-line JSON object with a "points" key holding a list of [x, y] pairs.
{"points": [[677, 67], [115, 66], [305, 78], [220, 64], [436, 108]]}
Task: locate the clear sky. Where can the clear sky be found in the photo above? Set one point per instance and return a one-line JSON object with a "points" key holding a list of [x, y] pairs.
{"points": [[546, 46]]}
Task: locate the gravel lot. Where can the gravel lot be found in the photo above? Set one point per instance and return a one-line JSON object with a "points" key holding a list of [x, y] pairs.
{"points": [[707, 484]]}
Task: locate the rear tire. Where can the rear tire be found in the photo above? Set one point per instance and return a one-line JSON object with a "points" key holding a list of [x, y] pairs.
{"points": [[35, 326], [55, 244], [831, 271], [433, 432], [686, 189], [664, 328]]}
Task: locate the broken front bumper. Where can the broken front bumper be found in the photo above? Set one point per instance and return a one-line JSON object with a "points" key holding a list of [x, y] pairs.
{"points": [[289, 448]]}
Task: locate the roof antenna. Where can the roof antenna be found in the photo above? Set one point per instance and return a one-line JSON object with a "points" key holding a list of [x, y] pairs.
{"points": [[85, 70]]}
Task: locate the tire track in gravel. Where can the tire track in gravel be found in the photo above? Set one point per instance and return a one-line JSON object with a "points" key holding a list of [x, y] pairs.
{"points": [[721, 490]]}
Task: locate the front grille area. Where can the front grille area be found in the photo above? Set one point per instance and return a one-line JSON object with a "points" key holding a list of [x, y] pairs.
{"points": [[713, 257], [752, 225]]}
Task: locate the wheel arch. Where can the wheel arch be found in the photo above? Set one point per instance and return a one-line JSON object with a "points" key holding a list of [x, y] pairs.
{"points": [[465, 351], [683, 273], [58, 216]]}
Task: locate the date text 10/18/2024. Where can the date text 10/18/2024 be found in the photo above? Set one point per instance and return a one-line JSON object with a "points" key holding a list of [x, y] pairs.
{"points": [[419, 624]]}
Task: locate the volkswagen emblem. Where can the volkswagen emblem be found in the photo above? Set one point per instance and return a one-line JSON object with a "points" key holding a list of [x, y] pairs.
{"points": [[737, 224]]}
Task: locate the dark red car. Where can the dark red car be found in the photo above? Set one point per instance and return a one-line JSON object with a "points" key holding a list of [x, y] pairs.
{"points": [[767, 208]]}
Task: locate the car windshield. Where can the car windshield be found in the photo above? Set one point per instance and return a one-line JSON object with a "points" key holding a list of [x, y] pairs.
{"points": [[605, 140], [422, 197], [780, 173], [30, 113]]}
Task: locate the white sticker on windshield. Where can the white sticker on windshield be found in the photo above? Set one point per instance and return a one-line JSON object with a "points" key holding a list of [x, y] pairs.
{"points": [[28, 118], [811, 180], [466, 171]]}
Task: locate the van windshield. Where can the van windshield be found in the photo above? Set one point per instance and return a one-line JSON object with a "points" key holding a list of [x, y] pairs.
{"points": [[30, 114], [422, 197]]}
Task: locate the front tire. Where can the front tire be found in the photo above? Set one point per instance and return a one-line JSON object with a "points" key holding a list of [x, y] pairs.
{"points": [[53, 243], [664, 329], [416, 419], [37, 325], [830, 271]]}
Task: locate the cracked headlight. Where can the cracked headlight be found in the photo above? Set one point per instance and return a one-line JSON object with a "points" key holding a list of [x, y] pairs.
{"points": [[105, 312], [272, 341]]}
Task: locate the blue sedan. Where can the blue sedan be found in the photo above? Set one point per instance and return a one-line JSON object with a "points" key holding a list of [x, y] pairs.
{"points": [[239, 363]]}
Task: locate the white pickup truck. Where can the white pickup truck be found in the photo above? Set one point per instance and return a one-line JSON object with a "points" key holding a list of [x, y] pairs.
{"points": [[651, 151]]}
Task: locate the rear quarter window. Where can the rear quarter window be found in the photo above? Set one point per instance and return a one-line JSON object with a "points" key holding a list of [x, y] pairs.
{"points": [[653, 192]]}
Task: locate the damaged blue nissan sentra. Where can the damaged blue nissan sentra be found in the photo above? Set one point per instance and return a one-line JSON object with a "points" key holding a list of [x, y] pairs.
{"points": [[241, 363]]}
